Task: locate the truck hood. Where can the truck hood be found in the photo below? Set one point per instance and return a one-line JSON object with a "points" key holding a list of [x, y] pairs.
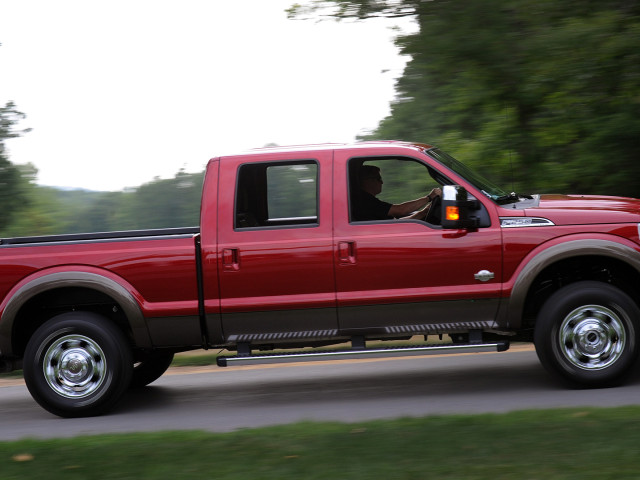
{"points": [[586, 209]]}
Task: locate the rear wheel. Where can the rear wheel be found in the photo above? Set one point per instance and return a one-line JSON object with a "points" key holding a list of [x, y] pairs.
{"points": [[150, 368], [77, 364], [587, 333]]}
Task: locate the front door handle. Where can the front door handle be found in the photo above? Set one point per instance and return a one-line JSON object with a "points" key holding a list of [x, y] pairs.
{"points": [[347, 253]]}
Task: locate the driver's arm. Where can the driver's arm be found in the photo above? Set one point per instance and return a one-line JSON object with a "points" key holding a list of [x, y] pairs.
{"points": [[399, 210], [419, 206], [420, 214]]}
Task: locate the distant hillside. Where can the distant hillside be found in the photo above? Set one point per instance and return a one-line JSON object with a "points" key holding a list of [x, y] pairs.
{"points": [[158, 204]]}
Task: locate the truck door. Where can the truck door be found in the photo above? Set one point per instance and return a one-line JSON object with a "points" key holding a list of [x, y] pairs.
{"points": [[409, 277], [275, 248]]}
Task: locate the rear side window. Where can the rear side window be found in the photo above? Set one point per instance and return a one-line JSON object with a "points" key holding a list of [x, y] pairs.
{"points": [[277, 194]]}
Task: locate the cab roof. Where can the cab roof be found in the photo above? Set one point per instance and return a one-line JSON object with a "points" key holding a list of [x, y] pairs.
{"points": [[377, 144]]}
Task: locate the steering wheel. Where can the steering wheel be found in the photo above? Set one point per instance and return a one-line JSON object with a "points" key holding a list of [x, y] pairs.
{"points": [[434, 215]]}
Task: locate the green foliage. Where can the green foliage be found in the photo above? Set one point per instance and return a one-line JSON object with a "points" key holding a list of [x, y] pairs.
{"points": [[162, 203], [292, 190], [12, 184], [538, 94], [159, 204], [354, 9]]}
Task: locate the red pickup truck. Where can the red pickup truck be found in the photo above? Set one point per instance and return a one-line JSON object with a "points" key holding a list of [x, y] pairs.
{"points": [[282, 261]]}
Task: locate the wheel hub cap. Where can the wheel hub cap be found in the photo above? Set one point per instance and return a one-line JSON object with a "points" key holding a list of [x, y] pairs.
{"points": [[74, 366], [592, 337]]}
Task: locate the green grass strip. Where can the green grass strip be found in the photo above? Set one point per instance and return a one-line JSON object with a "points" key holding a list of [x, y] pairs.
{"points": [[558, 444], [202, 360]]}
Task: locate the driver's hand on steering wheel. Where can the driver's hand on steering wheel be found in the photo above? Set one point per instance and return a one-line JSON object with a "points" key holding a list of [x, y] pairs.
{"points": [[436, 192]]}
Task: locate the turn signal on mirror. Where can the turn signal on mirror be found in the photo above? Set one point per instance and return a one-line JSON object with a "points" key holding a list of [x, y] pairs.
{"points": [[453, 213]]}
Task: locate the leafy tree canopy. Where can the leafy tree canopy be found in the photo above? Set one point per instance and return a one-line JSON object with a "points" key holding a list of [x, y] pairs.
{"points": [[11, 181], [359, 9], [539, 94]]}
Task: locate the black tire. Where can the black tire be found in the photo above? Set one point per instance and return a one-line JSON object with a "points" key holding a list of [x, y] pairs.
{"points": [[586, 333], [150, 368], [78, 364]]}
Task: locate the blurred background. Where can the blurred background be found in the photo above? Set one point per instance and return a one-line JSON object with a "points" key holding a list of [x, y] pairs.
{"points": [[539, 96]]}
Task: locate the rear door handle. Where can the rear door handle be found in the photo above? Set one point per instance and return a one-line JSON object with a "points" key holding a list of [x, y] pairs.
{"points": [[231, 259]]}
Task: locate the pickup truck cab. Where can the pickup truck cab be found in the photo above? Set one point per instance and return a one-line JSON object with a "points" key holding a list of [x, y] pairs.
{"points": [[280, 262]]}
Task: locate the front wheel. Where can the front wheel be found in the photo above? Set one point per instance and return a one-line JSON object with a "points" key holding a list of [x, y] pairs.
{"points": [[587, 332], [78, 364]]}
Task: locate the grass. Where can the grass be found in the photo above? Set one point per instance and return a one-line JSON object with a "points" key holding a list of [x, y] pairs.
{"points": [[558, 444], [195, 359]]}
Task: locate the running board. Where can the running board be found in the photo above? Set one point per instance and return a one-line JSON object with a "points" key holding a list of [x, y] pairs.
{"points": [[225, 361]]}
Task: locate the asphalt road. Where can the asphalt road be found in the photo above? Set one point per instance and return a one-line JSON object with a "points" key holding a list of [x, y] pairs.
{"points": [[217, 399]]}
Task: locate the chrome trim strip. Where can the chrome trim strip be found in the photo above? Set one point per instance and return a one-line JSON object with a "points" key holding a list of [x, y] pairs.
{"points": [[98, 237], [253, 337], [313, 218], [518, 222], [97, 240], [442, 327], [350, 354]]}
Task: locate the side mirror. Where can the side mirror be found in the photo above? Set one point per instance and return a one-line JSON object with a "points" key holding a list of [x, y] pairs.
{"points": [[457, 208]]}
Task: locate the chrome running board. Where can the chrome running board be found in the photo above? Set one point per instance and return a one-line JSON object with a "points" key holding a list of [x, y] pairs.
{"points": [[225, 361]]}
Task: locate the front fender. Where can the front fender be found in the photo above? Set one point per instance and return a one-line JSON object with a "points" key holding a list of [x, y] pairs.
{"points": [[541, 258], [31, 287]]}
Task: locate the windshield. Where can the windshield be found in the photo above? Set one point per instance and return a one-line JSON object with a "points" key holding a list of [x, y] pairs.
{"points": [[488, 188]]}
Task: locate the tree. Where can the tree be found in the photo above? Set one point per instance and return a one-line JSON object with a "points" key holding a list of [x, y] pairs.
{"points": [[11, 183], [540, 94], [362, 9]]}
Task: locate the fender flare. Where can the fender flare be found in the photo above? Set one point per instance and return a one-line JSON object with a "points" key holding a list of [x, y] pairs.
{"points": [[93, 281], [555, 253]]}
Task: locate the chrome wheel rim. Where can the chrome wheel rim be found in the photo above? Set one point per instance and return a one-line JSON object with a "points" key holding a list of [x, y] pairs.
{"points": [[74, 366], [592, 337]]}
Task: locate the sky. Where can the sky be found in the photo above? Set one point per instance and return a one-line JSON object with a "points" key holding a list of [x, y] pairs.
{"points": [[120, 92]]}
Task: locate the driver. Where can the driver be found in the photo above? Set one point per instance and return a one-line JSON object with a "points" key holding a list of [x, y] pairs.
{"points": [[368, 207]]}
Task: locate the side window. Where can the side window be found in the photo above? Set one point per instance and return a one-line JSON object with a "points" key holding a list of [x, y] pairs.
{"points": [[277, 194], [398, 180]]}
